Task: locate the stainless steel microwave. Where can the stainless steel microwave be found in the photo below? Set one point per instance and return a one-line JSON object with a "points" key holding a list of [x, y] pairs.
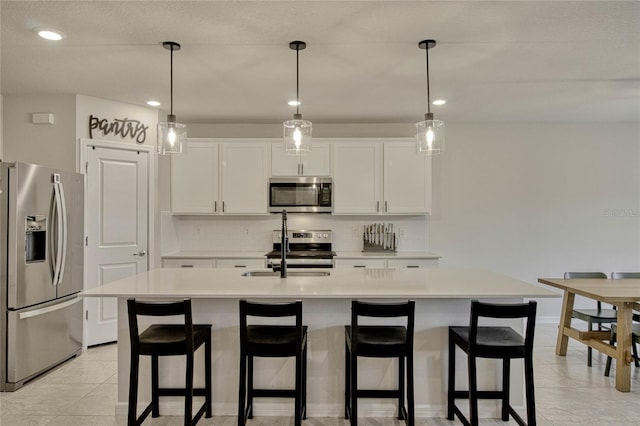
{"points": [[300, 194]]}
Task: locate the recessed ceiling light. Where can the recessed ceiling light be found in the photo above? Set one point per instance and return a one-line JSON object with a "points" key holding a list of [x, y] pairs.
{"points": [[50, 33], [293, 103], [153, 103], [439, 102]]}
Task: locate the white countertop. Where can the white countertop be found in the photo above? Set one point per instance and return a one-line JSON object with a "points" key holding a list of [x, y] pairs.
{"points": [[342, 283]]}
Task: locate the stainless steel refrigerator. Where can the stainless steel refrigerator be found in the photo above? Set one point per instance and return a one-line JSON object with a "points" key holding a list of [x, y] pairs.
{"points": [[41, 269]]}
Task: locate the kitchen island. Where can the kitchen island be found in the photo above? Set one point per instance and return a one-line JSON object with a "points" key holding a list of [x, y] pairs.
{"points": [[442, 298]]}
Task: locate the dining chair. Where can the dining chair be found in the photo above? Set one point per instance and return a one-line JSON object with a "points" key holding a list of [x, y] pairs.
{"points": [[635, 335], [597, 316]]}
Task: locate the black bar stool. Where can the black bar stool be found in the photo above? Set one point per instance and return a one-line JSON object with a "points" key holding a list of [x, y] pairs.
{"points": [[272, 341], [379, 341], [498, 343], [167, 340]]}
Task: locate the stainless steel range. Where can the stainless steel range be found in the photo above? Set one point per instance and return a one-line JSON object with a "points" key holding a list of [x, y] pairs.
{"points": [[307, 249]]}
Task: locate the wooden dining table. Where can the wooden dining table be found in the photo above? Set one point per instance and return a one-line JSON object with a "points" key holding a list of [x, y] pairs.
{"points": [[625, 295]]}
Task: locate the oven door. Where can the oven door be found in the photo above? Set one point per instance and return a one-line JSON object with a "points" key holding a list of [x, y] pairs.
{"points": [[302, 263]]}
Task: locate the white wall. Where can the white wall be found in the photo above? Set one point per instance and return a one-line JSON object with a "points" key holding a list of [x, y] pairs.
{"points": [[536, 200], [50, 145], [528, 200]]}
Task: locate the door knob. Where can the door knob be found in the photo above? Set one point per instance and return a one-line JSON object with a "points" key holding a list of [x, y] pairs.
{"points": [[140, 253]]}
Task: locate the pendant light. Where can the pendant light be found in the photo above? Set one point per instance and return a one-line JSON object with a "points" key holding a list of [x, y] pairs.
{"points": [[297, 132], [430, 132], [172, 136]]}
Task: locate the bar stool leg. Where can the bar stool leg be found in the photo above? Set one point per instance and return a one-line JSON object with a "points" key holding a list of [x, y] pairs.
{"points": [[304, 382], [410, 394], [250, 387], [207, 379], [347, 379], [354, 390], [473, 391], [400, 388], [155, 397], [506, 373], [188, 391], [242, 392], [133, 389], [298, 391], [452, 377], [530, 390]]}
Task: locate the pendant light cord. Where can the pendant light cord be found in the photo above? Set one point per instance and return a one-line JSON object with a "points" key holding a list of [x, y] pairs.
{"points": [[297, 80], [171, 78], [428, 97]]}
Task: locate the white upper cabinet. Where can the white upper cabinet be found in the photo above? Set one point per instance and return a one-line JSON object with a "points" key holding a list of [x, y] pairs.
{"points": [[315, 163], [220, 178], [407, 179], [194, 179], [377, 177], [356, 177], [244, 173]]}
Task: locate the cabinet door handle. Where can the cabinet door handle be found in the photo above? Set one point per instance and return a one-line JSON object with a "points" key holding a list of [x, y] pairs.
{"points": [[302, 169], [385, 206], [359, 266], [223, 207], [186, 266], [215, 207], [413, 266], [378, 206], [239, 266]]}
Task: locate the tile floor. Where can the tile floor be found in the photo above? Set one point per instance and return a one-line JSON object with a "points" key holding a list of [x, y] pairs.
{"points": [[83, 392]]}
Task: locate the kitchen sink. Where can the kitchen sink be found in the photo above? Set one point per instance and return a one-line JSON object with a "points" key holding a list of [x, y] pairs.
{"points": [[289, 274]]}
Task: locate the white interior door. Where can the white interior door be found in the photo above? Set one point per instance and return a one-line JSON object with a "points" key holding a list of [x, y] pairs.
{"points": [[117, 213]]}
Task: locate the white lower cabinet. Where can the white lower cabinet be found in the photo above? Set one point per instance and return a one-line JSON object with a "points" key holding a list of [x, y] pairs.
{"points": [[188, 263], [386, 263], [241, 263], [412, 263], [360, 263]]}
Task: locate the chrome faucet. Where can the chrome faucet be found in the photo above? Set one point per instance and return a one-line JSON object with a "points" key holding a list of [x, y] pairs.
{"points": [[284, 246]]}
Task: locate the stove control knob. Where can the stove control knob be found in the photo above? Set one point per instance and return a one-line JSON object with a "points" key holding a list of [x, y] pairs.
{"points": [[324, 235]]}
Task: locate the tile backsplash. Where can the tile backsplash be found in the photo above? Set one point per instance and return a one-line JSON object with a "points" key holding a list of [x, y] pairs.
{"points": [[253, 233]]}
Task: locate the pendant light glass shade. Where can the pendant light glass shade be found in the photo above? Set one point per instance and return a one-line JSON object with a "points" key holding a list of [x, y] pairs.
{"points": [[430, 135], [430, 132], [297, 132], [172, 136], [297, 135]]}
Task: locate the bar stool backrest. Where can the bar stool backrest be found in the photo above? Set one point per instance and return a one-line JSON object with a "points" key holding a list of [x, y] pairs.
{"points": [[384, 310], [503, 311], [624, 275], [272, 310], [160, 309]]}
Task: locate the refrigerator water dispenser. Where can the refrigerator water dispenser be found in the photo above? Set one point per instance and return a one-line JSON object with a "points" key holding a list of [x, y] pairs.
{"points": [[36, 239]]}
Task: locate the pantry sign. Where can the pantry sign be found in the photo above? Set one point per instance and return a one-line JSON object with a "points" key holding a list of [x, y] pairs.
{"points": [[123, 127]]}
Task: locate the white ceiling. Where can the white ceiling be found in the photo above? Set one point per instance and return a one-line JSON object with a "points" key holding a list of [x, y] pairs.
{"points": [[549, 61]]}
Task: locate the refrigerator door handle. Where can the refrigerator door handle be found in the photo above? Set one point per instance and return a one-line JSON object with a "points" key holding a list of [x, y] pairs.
{"points": [[42, 311], [58, 242], [63, 258]]}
